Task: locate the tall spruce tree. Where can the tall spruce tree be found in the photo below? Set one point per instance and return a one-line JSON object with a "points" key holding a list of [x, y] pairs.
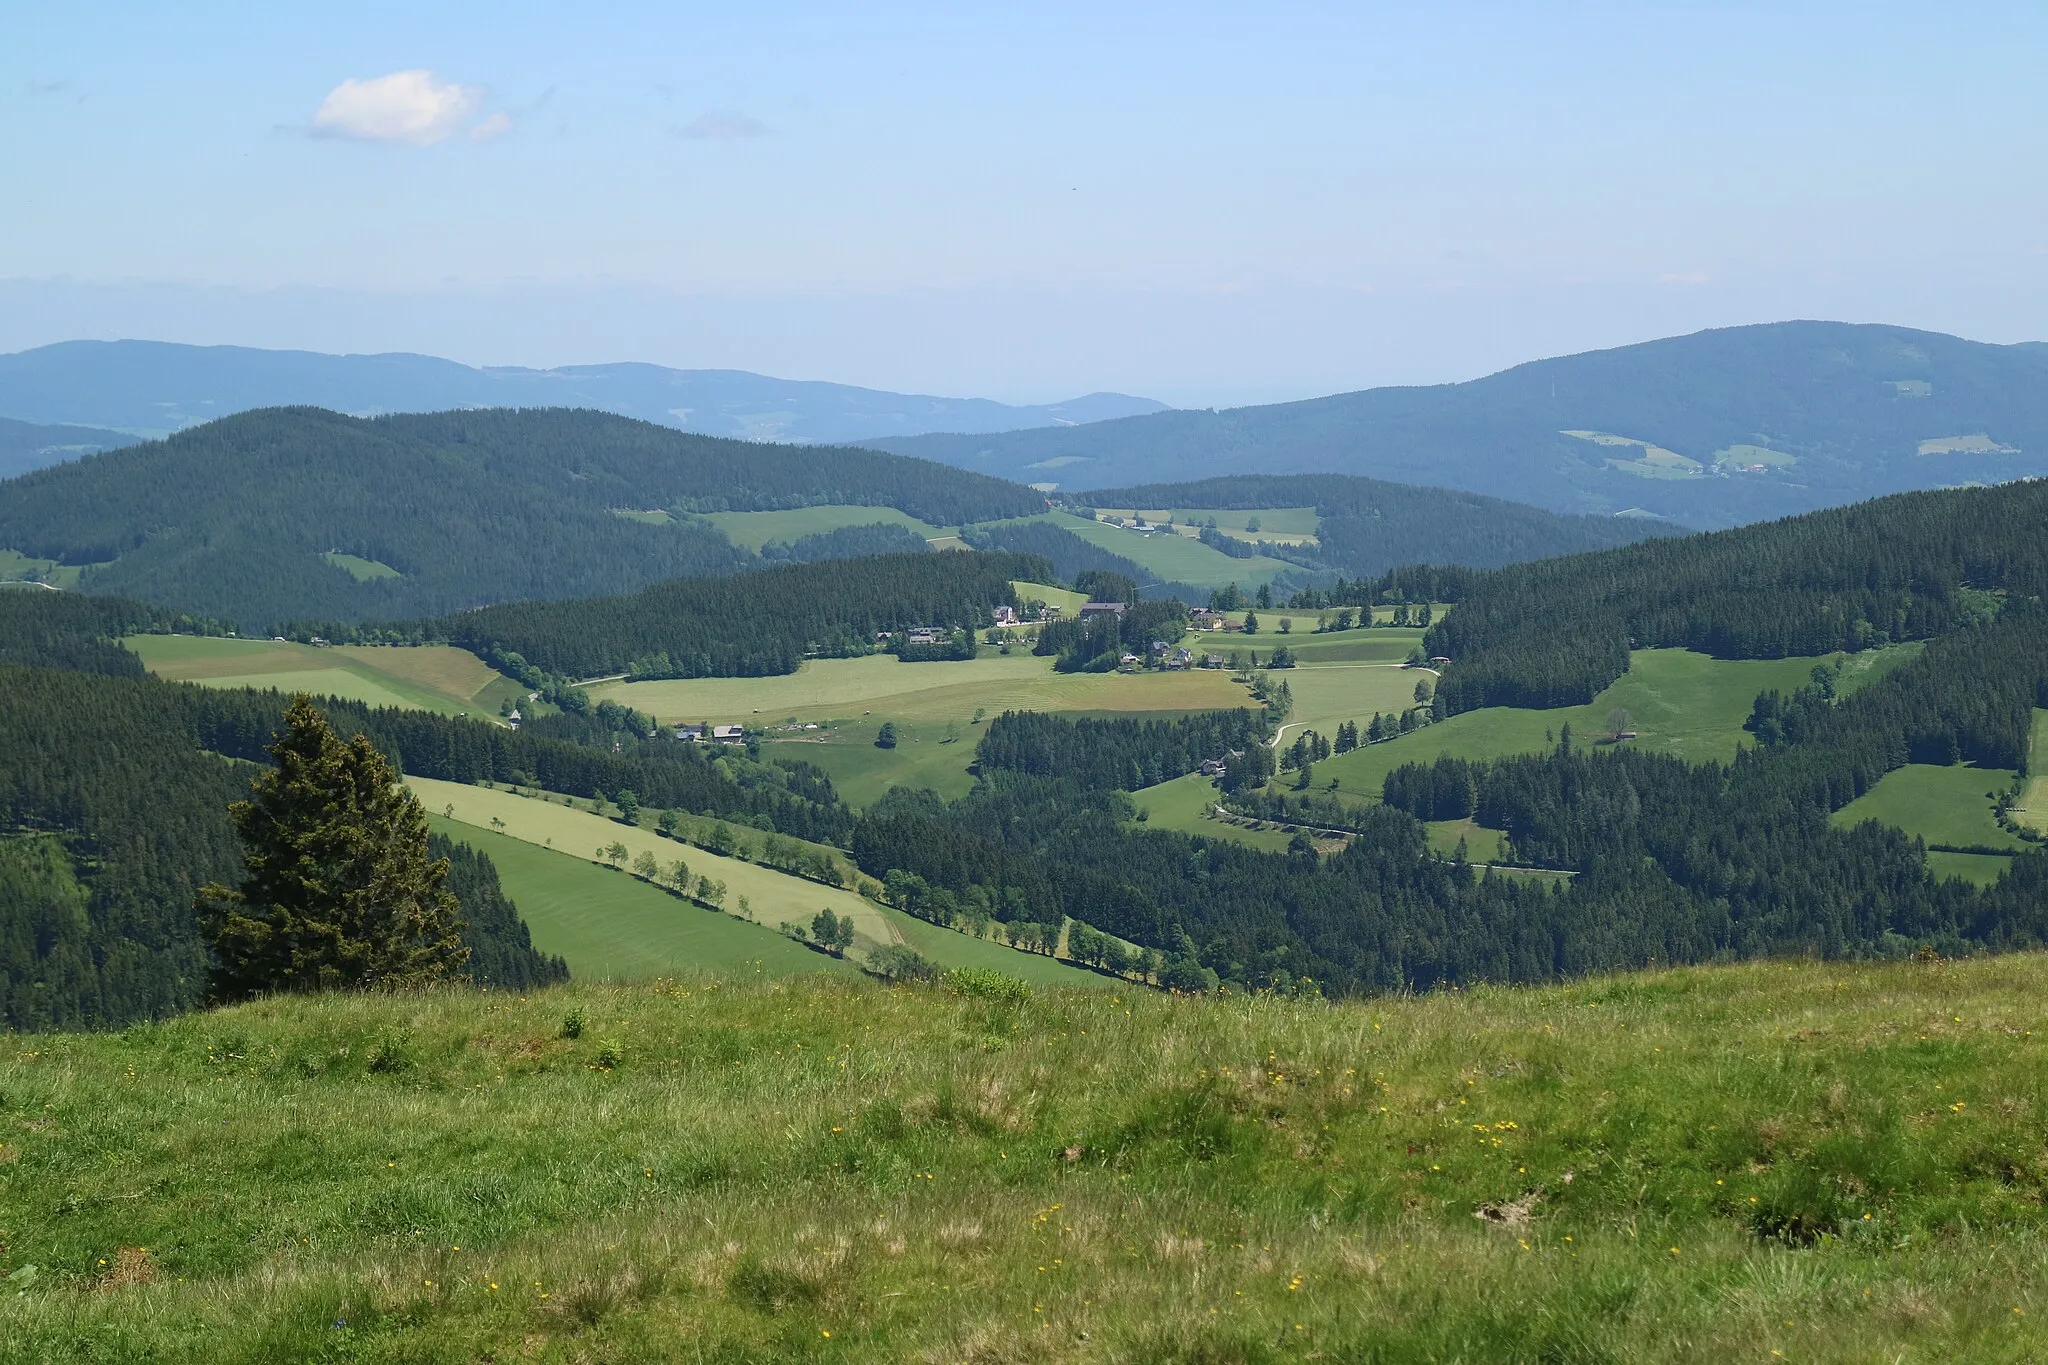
{"points": [[340, 892]]}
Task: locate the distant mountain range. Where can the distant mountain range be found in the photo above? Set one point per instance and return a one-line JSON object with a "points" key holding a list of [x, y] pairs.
{"points": [[154, 388], [1713, 429], [28, 445]]}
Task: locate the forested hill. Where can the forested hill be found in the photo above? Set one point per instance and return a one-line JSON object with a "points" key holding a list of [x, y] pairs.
{"points": [[27, 445], [1906, 567], [751, 625], [298, 513], [1369, 526], [1713, 429], [160, 387]]}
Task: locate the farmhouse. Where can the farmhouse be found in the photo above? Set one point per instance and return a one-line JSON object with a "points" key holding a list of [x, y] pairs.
{"points": [[1006, 616], [1202, 618], [1104, 608], [691, 732], [727, 734]]}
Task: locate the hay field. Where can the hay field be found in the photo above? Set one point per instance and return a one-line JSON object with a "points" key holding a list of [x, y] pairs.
{"points": [[926, 693], [439, 678], [2033, 807]]}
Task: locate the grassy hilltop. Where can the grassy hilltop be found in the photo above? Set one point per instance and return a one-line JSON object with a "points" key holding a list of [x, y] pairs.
{"points": [[1804, 1162]]}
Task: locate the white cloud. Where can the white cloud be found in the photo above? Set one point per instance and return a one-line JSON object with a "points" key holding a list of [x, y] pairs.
{"points": [[405, 106], [492, 128], [724, 127]]}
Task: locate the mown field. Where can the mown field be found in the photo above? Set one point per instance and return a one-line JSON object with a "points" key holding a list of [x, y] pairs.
{"points": [[752, 530], [609, 925], [2034, 797], [425, 677], [1805, 1162]]}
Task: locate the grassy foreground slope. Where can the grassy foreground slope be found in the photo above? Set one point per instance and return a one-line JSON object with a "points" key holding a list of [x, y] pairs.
{"points": [[1812, 1163]]}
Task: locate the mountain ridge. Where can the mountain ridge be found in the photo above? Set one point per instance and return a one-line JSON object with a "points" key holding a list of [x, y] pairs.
{"points": [[154, 388], [1716, 428]]}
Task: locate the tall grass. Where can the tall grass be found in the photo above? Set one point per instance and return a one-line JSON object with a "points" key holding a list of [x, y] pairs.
{"points": [[1834, 1163]]}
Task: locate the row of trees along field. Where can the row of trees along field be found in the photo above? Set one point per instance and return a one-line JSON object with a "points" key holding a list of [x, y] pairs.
{"points": [[749, 625], [1900, 568], [233, 519]]}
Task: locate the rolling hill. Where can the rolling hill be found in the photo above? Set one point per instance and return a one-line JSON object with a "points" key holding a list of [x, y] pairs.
{"points": [[1713, 429], [29, 445], [155, 388], [302, 514], [1368, 526]]}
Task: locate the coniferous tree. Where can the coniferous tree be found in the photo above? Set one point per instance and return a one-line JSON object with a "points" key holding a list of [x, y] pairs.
{"points": [[340, 892]]}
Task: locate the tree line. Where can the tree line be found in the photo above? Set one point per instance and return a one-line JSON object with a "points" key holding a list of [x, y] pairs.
{"points": [[119, 815], [750, 625], [1906, 567], [1111, 752]]}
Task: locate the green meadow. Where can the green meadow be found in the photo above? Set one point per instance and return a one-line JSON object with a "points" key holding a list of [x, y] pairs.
{"points": [[752, 530], [609, 925], [932, 705], [1678, 703], [1188, 805], [1821, 1163], [1174, 558], [2033, 807], [438, 678], [1942, 805]]}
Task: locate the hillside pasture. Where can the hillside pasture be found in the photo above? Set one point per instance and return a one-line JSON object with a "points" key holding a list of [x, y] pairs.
{"points": [[924, 757], [2033, 807], [774, 897], [921, 693], [16, 567], [1187, 805], [644, 943], [1066, 599], [360, 569], [1679, 703], [1942, 805], [752, 530], [611, 926], [1173, 558], [438, 678]]}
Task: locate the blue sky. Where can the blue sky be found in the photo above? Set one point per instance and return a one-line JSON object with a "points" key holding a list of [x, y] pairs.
{"points": [[1207, 203]]}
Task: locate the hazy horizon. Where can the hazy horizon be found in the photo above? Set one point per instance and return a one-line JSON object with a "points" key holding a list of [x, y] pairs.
{"points": [[1194, 204]]}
